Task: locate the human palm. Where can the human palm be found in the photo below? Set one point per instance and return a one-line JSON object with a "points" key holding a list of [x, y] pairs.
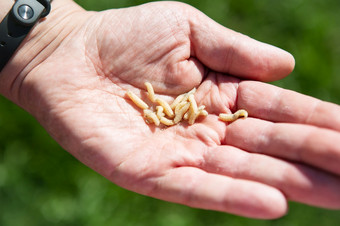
{"points": [[78, 94]]}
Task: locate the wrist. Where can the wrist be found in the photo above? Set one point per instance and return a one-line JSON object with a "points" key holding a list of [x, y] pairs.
{"points": [[41, 41], [5, 6]]}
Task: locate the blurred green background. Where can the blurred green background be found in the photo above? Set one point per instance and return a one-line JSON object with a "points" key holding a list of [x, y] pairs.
{"points": [[41, 184]]}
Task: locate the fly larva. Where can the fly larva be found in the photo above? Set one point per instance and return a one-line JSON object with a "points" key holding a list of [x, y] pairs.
{"points": [[186, 95], [182, 98], [177, 101], [232, 117], [180, 111], [186, 115], [151, 117], [193, 110], [159, 112], [135, 99], [200, 108], [192, 117], [167, 109], [203, 112], [193, 104], [167, 122], [241, 113], [151, 92], [179, 106], [193, 91]]}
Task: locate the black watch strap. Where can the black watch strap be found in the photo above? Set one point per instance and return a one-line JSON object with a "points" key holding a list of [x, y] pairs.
{"points": [[18, 23]]}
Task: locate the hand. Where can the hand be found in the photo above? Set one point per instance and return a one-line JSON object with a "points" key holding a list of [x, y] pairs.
{"points": [[75, 86]]}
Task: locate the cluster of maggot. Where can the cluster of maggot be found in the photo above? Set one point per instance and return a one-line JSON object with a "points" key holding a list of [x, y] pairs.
{"points": [[184, 107]]}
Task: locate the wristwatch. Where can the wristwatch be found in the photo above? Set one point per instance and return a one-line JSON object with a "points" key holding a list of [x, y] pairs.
{"points": [[17, 24]]}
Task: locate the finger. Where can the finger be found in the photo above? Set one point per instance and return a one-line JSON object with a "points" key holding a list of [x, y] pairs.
{"points": [[227, 51], [301, 143], [298, 182], [279, 105], [194, 187]]}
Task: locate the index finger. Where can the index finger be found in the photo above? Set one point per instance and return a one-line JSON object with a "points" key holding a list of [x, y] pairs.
{"points": [[275, 104]]}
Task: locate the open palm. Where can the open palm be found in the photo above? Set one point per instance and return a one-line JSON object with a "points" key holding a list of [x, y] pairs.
{"points": [[250, 167]]}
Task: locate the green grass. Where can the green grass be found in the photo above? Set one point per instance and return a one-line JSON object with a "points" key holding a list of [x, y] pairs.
{"points": [[41, 184]]}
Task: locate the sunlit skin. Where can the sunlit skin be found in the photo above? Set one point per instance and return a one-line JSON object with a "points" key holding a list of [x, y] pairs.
{"points": [[72, 74]]}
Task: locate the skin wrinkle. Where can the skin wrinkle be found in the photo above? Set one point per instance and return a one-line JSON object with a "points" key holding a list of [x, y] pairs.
{"points": [[301, 155], [229, 55], [175, 49], [113, 37], [235, 107], [232, 98], [210, 156], [227, 201], [217, 92], [145, 172], [60, 114], [274, 104], [179, 31], [191, 159], [180, 24], [94, 54], [162, 183], [177, 70], [183, 51], [152, 156], [210, 137], [268, 135], [227, 204], [191, 196], [314, 110], [245, 99], [193, 21], [191, 33], [280, 103], [34, 42], [181, 69], [200, 96], [209, 99], [21, 80], [264, 138], [126, 179]]}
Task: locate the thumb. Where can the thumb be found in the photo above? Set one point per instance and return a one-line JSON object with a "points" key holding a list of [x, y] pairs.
{"points": [[227, 51]]}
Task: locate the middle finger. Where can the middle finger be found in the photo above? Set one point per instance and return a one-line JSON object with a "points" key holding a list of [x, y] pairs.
{"points": [[302, 143]]}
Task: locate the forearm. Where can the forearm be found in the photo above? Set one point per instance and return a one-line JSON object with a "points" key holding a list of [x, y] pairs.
{"points": [[4, 8], [41, 41]]}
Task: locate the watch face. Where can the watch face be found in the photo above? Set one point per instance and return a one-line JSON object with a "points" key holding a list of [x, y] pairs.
{"points": [[17, 24], [25, 12]]}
